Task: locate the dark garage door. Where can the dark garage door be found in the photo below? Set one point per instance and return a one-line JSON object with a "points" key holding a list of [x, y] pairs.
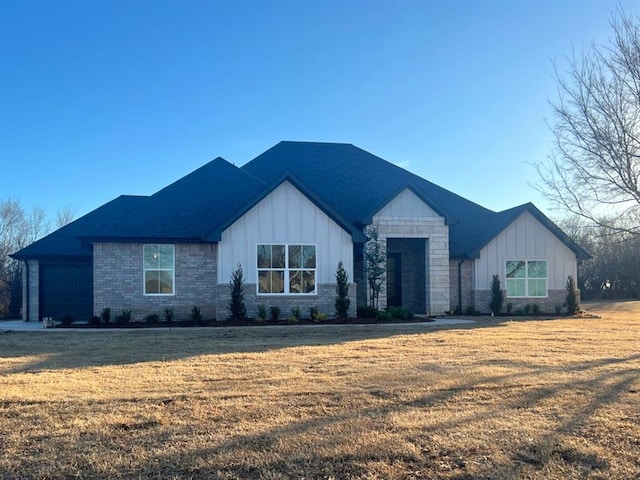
{"points": [[66, 288]]}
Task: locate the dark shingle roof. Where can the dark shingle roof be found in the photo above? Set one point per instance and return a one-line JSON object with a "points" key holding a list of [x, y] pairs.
{"points": [[348, 183]]}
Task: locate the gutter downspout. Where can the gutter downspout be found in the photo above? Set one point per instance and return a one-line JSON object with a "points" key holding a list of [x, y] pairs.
{"points": [[460, 284], [26, 293]]}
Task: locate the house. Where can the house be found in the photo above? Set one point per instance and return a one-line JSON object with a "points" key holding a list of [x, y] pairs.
{"points": [[288, 217]]}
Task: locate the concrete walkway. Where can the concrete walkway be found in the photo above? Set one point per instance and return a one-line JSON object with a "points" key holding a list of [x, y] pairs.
{"points": [[21, 326]]}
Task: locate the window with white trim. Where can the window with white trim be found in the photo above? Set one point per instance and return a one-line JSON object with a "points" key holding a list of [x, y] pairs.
{"points": [[286, 269], [526, 278], [159, 269]]}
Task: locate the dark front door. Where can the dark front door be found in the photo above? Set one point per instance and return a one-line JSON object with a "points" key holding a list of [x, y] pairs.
{"points": [[394, 280], [66, 288]]}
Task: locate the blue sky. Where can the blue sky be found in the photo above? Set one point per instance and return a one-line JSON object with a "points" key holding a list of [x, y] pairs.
{"points": [[102, 98]]}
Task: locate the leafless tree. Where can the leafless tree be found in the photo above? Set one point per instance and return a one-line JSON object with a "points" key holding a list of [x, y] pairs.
{"points": [[64, 215], [594, 168]]}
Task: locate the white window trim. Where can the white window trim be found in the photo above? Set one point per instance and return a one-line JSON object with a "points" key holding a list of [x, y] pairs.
{"points": [[286, 271], [172, 269], [526, 277]]}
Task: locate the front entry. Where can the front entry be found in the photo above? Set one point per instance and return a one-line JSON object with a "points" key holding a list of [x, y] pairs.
{"points": [[394, 280]]}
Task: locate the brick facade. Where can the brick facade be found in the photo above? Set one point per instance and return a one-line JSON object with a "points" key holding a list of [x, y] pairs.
{"points": [[118, 280], [466, 270], [324, 301]]}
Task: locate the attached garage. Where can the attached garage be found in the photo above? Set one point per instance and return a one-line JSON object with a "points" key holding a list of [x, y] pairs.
{"points": [[66, 289]]}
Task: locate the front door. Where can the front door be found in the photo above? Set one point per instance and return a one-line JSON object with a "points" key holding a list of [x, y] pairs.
{"points": [[394, 280]]}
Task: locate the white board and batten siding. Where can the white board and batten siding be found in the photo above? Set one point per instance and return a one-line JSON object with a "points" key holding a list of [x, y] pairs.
{"points": [[525, 239], [285, 216], [407, 205]]}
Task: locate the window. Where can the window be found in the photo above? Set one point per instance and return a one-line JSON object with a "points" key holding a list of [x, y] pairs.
{"points": [[159, 269], [286, 269], [526, 278]]}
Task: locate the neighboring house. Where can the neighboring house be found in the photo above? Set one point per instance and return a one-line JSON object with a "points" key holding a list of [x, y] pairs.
{"points": [[288, 217]]}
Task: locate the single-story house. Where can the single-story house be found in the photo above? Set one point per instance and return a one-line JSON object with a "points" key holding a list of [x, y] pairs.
{"points": [[288, 217]]}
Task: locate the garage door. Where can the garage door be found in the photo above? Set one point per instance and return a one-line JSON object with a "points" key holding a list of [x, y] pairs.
{"points": [[66, 288]]}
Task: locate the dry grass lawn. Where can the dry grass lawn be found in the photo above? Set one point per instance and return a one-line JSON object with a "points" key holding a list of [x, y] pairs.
{"points": [[501, 399]]}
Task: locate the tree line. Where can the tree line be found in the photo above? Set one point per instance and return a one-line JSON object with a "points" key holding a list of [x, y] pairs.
{"points": [[18, 228]]}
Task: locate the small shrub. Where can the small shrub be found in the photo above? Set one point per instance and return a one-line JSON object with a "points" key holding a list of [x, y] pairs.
{"points": [[169, 314], [261, 315], [296, 312], [558, 309], [509, 307], [320, 317], [470, 310], [535, 309], [527, 309], [275, 313], [196, 316], [292, 320], [342, 293], [367, 311], [124, 318], [384, 316], [573, 304], [313, 312], [400, 313], [497, 298], [105, 316], [519, 312], [152, 318], [95, 321], [67, 320]]}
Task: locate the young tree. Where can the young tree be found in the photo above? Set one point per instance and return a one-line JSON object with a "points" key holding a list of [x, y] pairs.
{"points": [[573, 305], [376, 264], [342, 293], [497, 298], [594, 168], [237, 307]]}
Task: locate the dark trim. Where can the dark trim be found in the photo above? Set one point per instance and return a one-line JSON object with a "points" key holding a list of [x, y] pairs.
{"points": [[460, 284], [106, 239]]}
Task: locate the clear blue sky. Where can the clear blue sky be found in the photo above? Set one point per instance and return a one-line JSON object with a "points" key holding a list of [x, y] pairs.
{"points": [[102, 98]]}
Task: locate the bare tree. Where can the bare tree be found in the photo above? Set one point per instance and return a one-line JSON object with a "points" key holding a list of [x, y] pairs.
{"points": [[64, 215], [594, 168]]}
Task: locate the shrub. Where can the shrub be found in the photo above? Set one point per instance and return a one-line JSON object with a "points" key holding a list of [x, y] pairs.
{"points": [[527, 309], [169, 314], [342, 292], [400, 313], [261, 315], [509, 307], [384, 316], [105, 316], [573, 304], [497, 298], [237, 308], [367, 311], [558, 309], [124, 318], [295, 315], [470, 310], [67, 320], [535, 309], [319, 317], [95, 321], [313, 312], [275, 313], [152, 318], [196, 316]]}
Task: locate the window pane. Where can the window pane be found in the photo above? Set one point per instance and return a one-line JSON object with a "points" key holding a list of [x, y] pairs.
{"points": [[150, 256], [537, 269], [151, 282], [277, 281], [277, 256], [165, 256], [516, 269], [295, 281], [165, 280], [264, 282], [309, 256], [295, 254], [308, 281], [264, 256], [537, 288], [515, 287]]}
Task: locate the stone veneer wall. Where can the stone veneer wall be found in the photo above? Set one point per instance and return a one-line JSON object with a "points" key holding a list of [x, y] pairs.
{"points": [[436, 235], [482, 299], [118, 280], [413, 267], [324, 301], [467, 283]]}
